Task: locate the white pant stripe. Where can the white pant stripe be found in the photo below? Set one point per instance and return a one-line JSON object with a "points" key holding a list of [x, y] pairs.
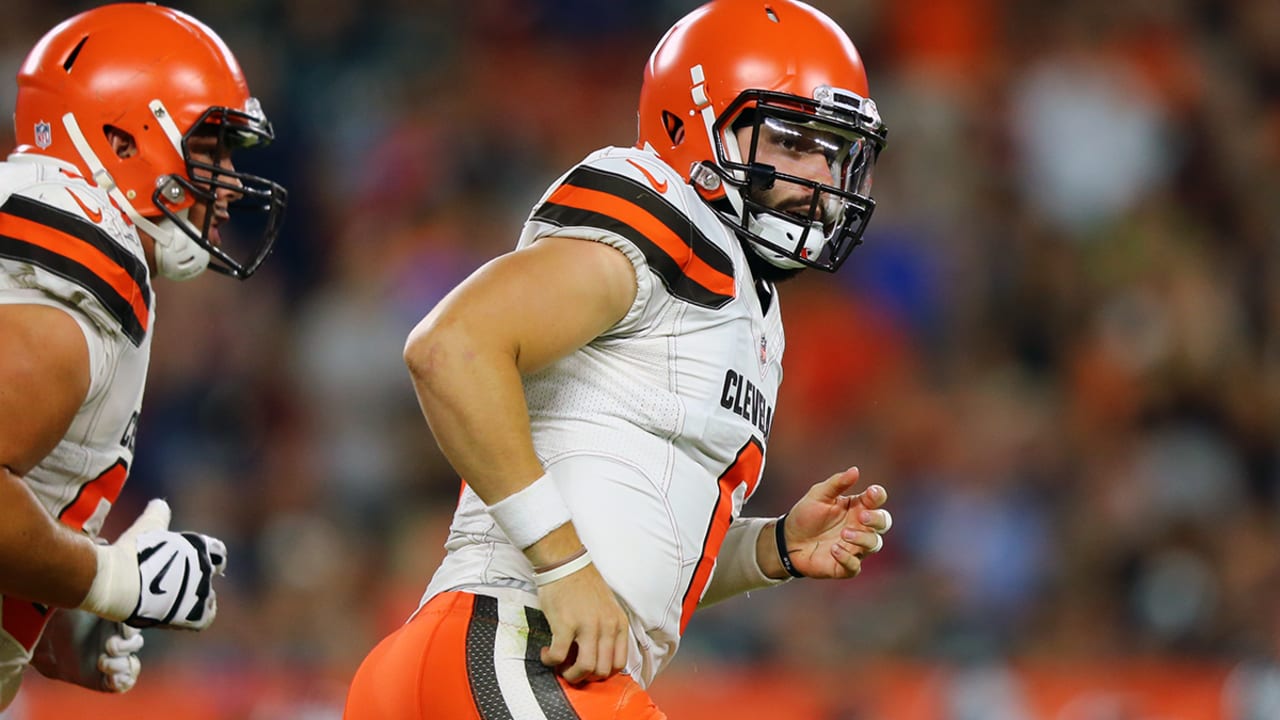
{"points": [[509, 662]]}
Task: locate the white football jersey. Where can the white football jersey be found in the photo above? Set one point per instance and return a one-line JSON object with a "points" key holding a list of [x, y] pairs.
{"points": [[64, 244], [655, 432]]}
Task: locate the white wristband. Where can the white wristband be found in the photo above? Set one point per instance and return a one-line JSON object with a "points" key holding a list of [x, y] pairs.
{"points": [[562, 571], [529, 515], [116, 586]]}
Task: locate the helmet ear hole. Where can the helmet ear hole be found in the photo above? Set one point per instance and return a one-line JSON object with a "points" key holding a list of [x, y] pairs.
{"points": [[674, 126], [121, 142]]}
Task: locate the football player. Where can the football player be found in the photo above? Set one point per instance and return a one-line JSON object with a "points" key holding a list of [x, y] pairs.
{"points": [[607, 390], [125, 120]]}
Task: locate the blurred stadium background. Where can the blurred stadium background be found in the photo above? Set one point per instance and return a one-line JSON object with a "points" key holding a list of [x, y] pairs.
{"points": [[1059, 349]]}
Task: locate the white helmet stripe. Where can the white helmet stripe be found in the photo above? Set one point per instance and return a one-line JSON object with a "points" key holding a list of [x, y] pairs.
{"points": [[708, 112], [101, 177], [167, 124]]}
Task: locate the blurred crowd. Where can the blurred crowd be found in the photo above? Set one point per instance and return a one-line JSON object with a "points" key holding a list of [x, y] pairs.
{"points": [[1058, 348]]}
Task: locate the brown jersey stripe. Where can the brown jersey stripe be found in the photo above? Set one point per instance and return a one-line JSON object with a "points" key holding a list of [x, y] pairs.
{"points": [[79, 251], [691, 266]]}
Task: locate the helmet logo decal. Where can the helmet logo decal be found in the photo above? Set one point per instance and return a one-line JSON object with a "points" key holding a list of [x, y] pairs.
{"points": [[44, 134]]}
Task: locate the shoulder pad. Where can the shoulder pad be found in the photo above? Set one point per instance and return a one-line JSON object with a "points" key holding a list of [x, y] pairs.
{"points": [[76, 242], [633, 195]]}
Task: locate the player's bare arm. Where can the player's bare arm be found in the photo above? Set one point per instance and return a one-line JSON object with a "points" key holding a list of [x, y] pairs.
{"points": [[44, 377], [517, 314]]}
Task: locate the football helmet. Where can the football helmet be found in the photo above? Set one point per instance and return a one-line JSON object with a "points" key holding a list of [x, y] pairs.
{"points": [[792, 75], [166, 80]]}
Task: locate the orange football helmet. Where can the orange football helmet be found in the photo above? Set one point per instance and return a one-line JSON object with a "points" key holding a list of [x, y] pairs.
{"points": [[782, 68], [162, 77]]}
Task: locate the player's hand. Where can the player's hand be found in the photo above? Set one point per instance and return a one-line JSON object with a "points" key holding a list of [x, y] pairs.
{"points": [[152, 576], [829, 533], [89, 651], [588, 627], [118, 662]]}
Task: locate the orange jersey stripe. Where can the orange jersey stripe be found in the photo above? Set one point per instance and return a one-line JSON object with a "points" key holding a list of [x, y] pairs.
{"points": [[83, 253], [710, 550], [745, 470]]}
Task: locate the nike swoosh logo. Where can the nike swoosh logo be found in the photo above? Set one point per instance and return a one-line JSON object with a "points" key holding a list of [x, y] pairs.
{"points": [[155, 587], [94, 215], [661, 187]]}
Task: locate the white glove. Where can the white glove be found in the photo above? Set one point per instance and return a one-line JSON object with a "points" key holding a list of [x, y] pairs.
{"points": [[90, 651], [152, 576], [118, 662]]}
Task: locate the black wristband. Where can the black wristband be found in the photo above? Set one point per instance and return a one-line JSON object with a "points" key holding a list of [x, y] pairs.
{"points": [[779, 534]]}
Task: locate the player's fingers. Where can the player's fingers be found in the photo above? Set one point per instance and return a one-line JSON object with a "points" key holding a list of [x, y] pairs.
{"points": [[558, 651], [879, 520], [836, 485], [210, 611], [155, 516], [217, 554], [118, 645], [873, 497], [620, 649], [606, 654], [121, 682], [862, 542], [109, 665], [848, 559], [585, 664], [119, 673]]}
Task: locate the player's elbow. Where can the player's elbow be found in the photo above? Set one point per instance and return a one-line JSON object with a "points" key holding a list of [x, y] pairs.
{"points": [[424, 352], [439, 352]]}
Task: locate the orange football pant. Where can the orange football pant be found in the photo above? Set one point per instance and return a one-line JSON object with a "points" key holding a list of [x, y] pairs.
{"points": [[463, 657]]}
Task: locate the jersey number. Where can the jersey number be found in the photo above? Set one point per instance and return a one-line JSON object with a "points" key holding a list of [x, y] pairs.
{"points": [[745, 470], [104, 488]]}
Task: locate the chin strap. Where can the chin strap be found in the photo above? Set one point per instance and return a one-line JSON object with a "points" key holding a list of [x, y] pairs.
{"points": [[784, 234], [178, 257]]}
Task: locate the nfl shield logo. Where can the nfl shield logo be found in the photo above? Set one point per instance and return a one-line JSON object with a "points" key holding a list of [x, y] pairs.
{"points": [[44, 135], [764, 351]]}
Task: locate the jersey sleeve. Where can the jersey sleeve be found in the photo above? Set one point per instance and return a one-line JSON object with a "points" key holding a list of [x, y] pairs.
{"points": [[632, 201], [48, 243]]}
